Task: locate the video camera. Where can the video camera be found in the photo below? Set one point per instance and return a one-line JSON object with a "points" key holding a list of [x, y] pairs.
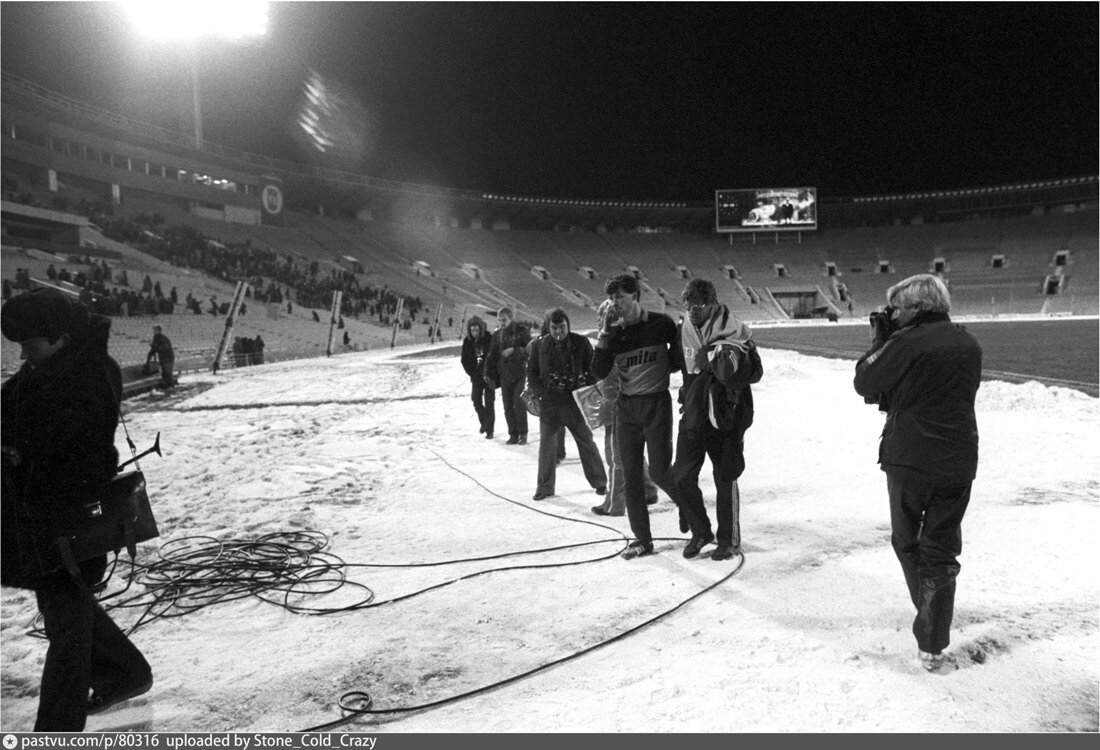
{"points": [[883, 323]]}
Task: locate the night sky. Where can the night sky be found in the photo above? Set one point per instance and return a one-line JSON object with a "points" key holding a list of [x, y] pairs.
{"points": [[619, 100]]}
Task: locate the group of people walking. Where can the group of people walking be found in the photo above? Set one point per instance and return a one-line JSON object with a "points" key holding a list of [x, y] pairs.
{"points": [[633, 359], [922, 370]]}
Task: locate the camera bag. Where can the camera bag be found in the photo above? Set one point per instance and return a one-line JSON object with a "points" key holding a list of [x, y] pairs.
{"points": [[116, 517]]}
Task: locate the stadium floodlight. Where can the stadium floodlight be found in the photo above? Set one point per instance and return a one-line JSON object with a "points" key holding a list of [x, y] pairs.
{"points": [[232, 19], [191, 21]]}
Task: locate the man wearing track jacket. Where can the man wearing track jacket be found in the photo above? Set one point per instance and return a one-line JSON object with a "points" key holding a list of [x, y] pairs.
{"points": [[641, 346]]}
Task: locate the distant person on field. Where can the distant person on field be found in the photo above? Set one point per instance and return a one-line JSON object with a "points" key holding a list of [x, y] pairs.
{"points": [[924, 372], [475, 350], [59, 414], [559, 364], [506, 366], [720, 364], [641, 346], [161, 350]]}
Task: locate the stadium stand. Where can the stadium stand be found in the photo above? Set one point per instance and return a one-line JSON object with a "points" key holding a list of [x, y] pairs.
{"points": [[81, 189]]}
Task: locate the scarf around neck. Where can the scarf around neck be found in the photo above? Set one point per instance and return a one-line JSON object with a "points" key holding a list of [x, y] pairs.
{"points": [[721, 329]]}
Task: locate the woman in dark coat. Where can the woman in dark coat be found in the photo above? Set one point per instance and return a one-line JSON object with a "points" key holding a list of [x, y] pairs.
{"points": [[59, 414]]}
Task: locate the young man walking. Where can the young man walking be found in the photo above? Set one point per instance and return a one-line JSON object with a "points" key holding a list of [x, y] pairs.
{"points": [[641, 346]]}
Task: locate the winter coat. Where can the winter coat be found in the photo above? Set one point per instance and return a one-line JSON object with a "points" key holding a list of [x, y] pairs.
{"points": [[555, 370], [61, 416], [161, 348], [926, 377], [722, 394], [500, 369], [475, 351]]}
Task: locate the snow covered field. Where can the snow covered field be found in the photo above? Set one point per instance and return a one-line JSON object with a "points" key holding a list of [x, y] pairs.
{"points": [[379, 452]]}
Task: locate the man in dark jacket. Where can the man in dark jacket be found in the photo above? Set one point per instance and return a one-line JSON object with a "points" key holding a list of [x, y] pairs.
{"points": [[720, 364], [59, 414], [475, 349], [924, 371], [161, 350], [641, 346], [559, 365], [506, 366]]}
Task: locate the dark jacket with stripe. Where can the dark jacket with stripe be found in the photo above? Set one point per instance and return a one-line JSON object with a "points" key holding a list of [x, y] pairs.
{"points": [[645, 353]]}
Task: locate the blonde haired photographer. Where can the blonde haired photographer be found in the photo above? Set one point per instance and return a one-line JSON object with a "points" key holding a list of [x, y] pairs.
{"points": [[924, 372]]}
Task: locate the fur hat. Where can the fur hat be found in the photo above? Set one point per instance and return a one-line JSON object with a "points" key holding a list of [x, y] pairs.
{"points": [[41, 313]]}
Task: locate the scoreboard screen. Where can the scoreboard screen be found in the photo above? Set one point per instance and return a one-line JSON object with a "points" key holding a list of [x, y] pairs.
{"points": [[766, 210]]}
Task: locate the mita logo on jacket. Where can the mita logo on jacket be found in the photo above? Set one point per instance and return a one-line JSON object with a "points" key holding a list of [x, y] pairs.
{"points": [[637, 358], [644, 370]]}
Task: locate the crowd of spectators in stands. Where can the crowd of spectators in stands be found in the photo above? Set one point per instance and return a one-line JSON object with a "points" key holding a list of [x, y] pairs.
{"points": [[271, 278], [91, 286], [264, 269]]}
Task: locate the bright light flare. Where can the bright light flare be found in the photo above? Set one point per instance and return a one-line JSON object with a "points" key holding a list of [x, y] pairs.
{"points": [[333, 123], [233, 19]]}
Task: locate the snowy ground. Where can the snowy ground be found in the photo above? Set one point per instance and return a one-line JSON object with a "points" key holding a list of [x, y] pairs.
{"points": [[381, 454]]}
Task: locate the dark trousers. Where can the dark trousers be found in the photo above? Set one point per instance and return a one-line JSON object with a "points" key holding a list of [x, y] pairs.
{"points": [[615, 501], [726, 453], [167, 371], [555, 416], [515, 413], [87, 650], [643, 424], [927, 538], [484, 399]]}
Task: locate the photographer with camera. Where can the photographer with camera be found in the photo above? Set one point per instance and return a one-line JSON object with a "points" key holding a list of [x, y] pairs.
{"points": [[558, 365], [924, 372], [59, 415]]}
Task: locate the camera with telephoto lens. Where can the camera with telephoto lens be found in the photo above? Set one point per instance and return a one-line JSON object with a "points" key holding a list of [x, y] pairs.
{"points": [[883, 323]]}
